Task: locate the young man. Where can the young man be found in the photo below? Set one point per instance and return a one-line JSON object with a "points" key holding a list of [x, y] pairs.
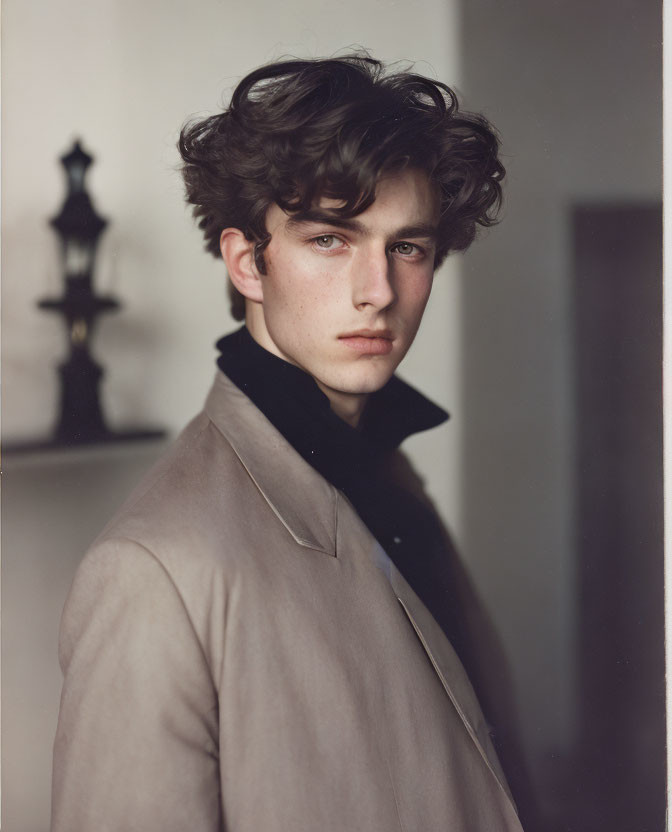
{"points": [[261, 639]]}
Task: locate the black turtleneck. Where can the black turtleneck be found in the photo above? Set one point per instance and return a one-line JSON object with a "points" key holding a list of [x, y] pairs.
{"points": [[352, 459], [291, 400]]}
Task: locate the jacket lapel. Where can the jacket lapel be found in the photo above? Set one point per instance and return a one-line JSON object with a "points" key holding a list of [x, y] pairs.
{"points": [[450, 671], [301, 498]]}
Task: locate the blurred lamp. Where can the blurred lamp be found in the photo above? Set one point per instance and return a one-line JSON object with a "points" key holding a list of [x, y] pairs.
{"points": [[79, 228]]}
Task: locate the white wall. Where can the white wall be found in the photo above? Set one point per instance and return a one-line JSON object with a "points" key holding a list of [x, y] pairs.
{"points": [[123, 76]]}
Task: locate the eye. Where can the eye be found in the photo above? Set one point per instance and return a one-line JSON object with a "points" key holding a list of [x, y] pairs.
{"points": [[328, 242], [407, 249]]}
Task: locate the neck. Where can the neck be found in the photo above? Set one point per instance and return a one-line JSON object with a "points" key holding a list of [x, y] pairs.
{"points": [[347, 406]]}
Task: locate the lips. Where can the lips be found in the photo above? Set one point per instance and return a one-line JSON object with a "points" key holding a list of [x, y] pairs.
{"points": [[369, 341]]}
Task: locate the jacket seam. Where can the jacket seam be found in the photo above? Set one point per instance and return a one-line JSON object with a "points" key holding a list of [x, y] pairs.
{"points": [[394, 795], [179, 595]]}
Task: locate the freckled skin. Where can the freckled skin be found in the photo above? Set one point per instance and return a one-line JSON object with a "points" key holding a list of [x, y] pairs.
{"points": [[324, 282]]}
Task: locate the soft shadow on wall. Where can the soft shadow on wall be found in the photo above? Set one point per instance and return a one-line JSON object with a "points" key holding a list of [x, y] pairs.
{"points": [[561, 392]]}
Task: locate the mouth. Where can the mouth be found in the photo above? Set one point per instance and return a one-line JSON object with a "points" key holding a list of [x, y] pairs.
{"points": [[369, 341]]}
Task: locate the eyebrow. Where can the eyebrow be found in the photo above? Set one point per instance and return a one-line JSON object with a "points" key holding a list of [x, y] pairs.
{"points": [[313, 215]]}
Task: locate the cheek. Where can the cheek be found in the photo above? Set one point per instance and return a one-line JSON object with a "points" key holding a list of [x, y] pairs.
{"points": [[416, 295], [293, 311], [300, 294]]}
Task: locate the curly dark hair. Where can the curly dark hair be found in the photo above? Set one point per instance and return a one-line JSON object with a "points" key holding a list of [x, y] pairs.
{"points": [[298, 130]]}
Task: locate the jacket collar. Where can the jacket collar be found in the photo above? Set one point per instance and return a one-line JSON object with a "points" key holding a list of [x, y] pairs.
{"points": [[301, 498]]}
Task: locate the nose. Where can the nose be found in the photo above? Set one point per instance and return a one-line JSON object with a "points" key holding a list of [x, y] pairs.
{"points": [[372, 283]]}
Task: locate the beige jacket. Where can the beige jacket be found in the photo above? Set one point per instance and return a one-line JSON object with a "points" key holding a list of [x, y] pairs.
{"points": [[235, 659]]}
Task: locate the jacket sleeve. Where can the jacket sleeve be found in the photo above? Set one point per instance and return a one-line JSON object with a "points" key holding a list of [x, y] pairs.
{"points": [[137, 741]]}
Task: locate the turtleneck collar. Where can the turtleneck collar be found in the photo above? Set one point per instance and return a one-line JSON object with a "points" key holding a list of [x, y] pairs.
{"points": [[291, 400]]}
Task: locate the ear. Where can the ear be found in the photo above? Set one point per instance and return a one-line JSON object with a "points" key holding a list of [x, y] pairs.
{"points": [[238, 254]]}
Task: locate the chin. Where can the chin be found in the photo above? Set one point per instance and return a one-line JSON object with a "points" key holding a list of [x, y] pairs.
{"points": [[369, 382]]}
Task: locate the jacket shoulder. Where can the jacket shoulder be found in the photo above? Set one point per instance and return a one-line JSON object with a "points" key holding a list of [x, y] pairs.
{"points": [[182, 534], [196, 498]]}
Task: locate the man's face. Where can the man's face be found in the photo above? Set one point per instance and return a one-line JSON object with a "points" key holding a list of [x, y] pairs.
{"points": [[343, 299]]}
